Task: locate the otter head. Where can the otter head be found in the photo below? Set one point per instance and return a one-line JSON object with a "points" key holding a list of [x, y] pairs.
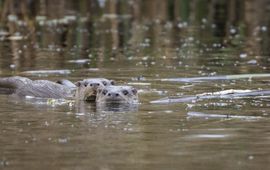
{"points": [[87, 88], [117, 94]]}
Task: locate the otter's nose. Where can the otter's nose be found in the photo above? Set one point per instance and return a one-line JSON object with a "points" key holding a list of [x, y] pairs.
{"points": [[113, 94], [94, 84]]}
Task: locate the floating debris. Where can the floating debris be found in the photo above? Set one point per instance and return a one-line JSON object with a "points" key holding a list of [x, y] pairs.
{"points": [[213, 78], [227, 116], [46, 72], [252, 62], [139, 83], [225, 94], [209, 136]]}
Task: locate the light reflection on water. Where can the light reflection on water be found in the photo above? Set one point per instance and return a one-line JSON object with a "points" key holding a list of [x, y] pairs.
{"points": [[143, 52]]}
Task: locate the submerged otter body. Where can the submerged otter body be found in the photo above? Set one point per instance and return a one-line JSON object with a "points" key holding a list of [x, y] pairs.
{"points": [[117, 94], [94, 89], [21, 86]]}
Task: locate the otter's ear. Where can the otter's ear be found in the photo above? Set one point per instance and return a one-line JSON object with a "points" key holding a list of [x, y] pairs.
{"points": [[134, 91], [112, 82], [78, 83], [59, 82]]}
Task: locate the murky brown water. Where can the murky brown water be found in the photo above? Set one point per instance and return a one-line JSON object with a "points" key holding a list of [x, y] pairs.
{"points": [[138, 48]]}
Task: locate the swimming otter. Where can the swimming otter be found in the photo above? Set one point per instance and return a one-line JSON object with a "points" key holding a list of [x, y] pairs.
{"points": [[21, 86], [117, 94], [87, 88]]}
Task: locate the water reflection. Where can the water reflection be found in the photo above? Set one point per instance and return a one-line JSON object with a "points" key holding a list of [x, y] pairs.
{"points": [[87, 30], [117, 107]]}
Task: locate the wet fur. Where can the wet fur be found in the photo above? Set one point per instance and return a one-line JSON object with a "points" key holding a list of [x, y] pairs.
{"points": [[87, 88], [117, 94], [22, 86]]}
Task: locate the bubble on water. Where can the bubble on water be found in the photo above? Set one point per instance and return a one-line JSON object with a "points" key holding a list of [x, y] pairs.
{"points": [[265, 114], [233, 31], [250, 157], [147, 40], [46, 123], [4, 162], [213, 74], [204, 20], [79, 114], [41, 18], [168, 25], [128, 129], [215, 45], [168, 111], [243, 55], [213, 25], [145, 58], [62, 140], [12, 66], [182, 25], [79, 61], [252, 62], [190, 39], [263, 28], [12, 18]]}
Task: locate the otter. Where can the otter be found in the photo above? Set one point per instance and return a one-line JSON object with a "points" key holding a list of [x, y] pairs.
{"points": [[117, 94], [82, 90], [87, 88]]}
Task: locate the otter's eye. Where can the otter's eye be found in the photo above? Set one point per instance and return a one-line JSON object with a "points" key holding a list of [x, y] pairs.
{"points": [[104, 92], [125, 92], [85, 84], [104, 83], [112, 82]]}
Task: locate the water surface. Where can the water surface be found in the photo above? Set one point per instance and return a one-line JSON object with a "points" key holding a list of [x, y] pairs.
{"points": [[143, 45]]}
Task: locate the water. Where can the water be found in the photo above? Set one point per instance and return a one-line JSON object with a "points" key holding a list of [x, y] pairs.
{"points": [[146, 48]]}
